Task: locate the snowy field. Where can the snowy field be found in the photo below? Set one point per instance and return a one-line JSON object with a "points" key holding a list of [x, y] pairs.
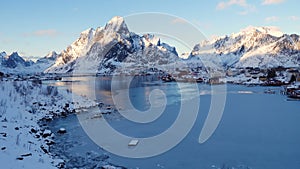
{"points": [[23, 104]]}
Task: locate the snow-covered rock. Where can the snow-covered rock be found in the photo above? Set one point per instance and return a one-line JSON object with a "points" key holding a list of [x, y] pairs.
{"points": [[47, 133], [62, 131]]}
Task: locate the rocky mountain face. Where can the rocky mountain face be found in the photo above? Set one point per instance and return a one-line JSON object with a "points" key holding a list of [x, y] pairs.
{"points": [[113, 47], [262, 47]]}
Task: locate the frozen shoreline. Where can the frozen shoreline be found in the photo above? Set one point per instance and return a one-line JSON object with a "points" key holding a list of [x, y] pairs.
{"points": [[23, 143]]}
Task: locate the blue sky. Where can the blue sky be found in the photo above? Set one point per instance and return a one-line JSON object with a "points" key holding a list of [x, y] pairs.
{"points": [[35, 27]]}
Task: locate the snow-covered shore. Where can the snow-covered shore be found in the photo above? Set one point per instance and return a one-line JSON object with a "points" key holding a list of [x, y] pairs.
{"points": [[23, 143]]}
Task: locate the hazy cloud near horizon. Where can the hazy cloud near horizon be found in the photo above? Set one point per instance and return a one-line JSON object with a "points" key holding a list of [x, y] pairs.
{"points": [[41, 33]]}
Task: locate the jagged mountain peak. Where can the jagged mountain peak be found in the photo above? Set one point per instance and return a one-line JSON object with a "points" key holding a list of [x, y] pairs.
{"points": [[117, 24], [87, 31], [269, 30], [151, 39], [116, 20], [51, 54], [86, 35], [14, 55]]}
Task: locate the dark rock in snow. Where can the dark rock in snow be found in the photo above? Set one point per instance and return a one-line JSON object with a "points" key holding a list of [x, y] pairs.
{"points": [[33, 130], [20, 158], [26, 155], [44, 149], [3, 134], [49, 142], [62, 131], [47, 133], [4, 120]]}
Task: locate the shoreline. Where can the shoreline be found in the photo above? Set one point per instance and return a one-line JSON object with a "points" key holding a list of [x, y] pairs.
{"points": [[24, 142]]}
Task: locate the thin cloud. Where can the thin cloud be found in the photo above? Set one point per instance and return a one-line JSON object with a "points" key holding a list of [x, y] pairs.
{"points": [[49, 32], [249, 9], [7, 40], [178, 21], [272, 19], [271, 2], [242, 3], [202, 25], [294, 18], [223, 5], [22, 53], [46, 32]]}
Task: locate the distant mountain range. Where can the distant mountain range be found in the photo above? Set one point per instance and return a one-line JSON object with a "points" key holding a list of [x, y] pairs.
{"points": [[14, 63], [113, 48], [262, 47], [14, 60]]}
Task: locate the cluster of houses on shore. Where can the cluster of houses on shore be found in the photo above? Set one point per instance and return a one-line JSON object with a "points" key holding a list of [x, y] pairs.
{"points": [[280, 76], [268, 77], [289, 78]]}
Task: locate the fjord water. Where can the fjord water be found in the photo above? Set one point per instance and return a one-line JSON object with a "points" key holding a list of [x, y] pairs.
{"points": [[257, 130]]}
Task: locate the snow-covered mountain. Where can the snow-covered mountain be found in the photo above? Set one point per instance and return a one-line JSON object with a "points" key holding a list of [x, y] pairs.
{"points": [[110, 47], [15, 63], [43, 63], [50, 56], [262, 47]]}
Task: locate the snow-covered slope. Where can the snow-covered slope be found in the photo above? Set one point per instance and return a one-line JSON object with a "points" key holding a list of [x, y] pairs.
{"points": [[110, 47], [23, 142], [252, 47]]}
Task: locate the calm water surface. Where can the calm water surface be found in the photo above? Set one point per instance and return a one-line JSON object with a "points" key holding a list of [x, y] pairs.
{"points": [[258, 130]]}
